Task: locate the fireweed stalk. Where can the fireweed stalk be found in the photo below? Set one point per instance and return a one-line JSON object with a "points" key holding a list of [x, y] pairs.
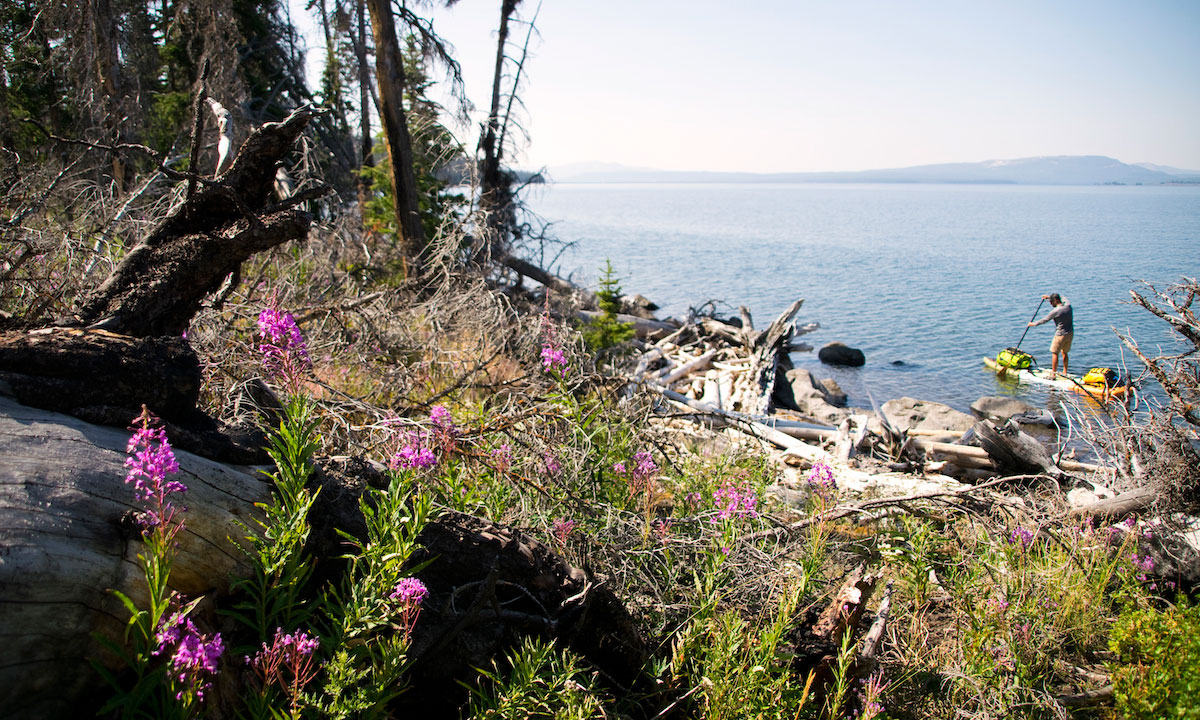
{"points": [[189, 658], [287, 662], [284, 352], [272, 593], [372, 614]]}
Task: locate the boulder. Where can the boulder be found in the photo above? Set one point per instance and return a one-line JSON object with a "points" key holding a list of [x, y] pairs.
{"points": [[839, 354], [926, 418], [638, 306], [998, 407], [1001, 408], [834, 394], [811, 397]]}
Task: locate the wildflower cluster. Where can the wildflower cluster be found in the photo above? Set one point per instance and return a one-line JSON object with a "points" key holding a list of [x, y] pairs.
{"points": [[562, 530], [288, 662], [502, 457], [735, 501], [640, 476], [194, 655], [152, 461], [822, 482], [408, 594], [413, 454], [554, 358], [1021, 536], [284, 352]]}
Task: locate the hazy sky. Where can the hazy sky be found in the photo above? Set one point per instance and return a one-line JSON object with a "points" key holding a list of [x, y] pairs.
{"points": [[793, 85]]}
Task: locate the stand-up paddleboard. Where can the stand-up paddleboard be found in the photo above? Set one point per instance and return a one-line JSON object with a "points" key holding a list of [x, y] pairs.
{"points": [[1042, 376]]}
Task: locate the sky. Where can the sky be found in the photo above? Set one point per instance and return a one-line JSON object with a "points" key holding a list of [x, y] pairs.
{"points": [[798, 85]]}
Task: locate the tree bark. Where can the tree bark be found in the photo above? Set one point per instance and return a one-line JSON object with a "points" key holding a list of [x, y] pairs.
{"points": [[159, 285], [389, 73]]}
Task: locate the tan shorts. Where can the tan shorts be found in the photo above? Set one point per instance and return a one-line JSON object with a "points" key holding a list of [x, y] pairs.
{"points": [[1061, 343]]}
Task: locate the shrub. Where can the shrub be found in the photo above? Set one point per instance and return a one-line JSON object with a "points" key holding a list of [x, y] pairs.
{"points": [[1158, 670]]}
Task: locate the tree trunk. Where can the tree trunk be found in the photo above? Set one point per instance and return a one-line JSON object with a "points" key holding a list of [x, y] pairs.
{"points": [[159, 285], [364, 102], [389, 73], [495, 193], [770, 351]]}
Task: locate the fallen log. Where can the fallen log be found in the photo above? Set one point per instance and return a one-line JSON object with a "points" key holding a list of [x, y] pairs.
{"points": [[555, 283], [868, 655], [66, 540], [756, 429], [159, 285], [1014, 450], [645, 328], [1128, 502]]}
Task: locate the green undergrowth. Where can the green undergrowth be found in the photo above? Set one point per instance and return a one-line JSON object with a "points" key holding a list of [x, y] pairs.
{"points": [[993, 614]]}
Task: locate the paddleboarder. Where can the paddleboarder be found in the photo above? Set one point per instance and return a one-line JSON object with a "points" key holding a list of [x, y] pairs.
{"points": [[1064, 330]]}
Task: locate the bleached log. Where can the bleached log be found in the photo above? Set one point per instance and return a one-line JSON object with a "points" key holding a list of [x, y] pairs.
{"points": [[65, 544], [868, 655], [650, 356], [789, 444], [1123, 504], [688, 368]]}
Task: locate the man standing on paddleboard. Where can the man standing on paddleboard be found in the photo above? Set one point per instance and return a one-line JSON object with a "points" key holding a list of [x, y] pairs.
{"points": [[1064, 330]]}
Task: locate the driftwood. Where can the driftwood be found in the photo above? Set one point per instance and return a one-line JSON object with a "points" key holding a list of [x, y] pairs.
{"points": [[643, 327], [66, 539], [555, 283], [752, 427], [1015, 451], [1128, 502], [159, 285], [769, 358]]}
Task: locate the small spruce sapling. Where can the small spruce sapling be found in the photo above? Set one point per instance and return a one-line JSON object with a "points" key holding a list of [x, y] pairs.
{"points": [[607, 331]]}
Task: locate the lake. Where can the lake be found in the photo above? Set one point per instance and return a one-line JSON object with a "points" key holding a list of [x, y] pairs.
{"points": [[925, 279]]}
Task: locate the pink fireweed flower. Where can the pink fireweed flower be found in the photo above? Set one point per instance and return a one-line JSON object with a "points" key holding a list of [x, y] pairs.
{"points": [[414, 453], [822, 483], [562, 530], [870, 694], [619, 468], [445, 432], [288, 662], [153, 459], [553, 356], [644, 465], [553, 466], [194, 655], [1021, 536], [735, 501], [284, 352], [408, 595], [502, 457]]}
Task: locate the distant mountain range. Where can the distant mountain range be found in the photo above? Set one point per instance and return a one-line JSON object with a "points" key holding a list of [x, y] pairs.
{"points": [[1058, 170]]}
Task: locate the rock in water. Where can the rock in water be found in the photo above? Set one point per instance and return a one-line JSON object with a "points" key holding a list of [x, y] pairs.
{"points": [[839, 354]]}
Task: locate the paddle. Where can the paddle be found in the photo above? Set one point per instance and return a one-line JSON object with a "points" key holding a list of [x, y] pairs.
{"points": [[1035, 312]]}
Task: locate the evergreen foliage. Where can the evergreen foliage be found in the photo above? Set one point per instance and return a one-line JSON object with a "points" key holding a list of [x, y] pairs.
{"points": [[606, 331]]}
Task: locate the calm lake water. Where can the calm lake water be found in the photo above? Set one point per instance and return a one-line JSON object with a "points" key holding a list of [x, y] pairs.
{"points": [[925, 279]]}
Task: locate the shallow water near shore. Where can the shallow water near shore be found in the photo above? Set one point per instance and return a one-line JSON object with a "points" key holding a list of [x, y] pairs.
{"points": [[925, 279]]}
